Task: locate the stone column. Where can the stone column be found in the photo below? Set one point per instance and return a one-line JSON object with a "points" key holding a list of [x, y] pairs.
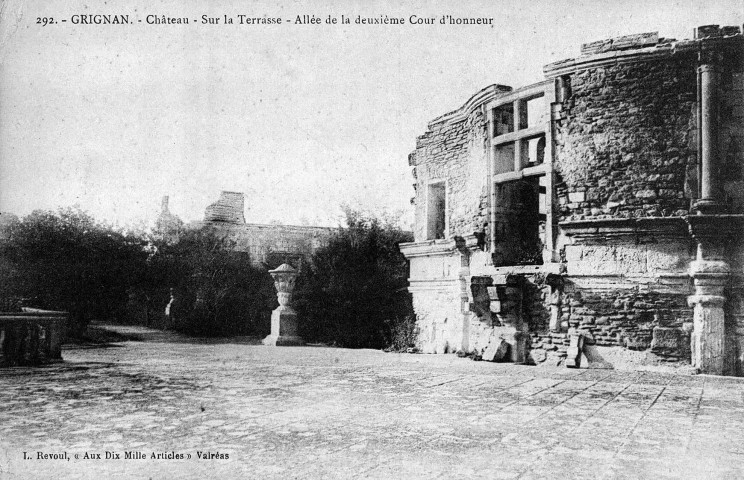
{"points": [[284, 330], [708, 336], [517, 126], [710, 272], [708, 128]]}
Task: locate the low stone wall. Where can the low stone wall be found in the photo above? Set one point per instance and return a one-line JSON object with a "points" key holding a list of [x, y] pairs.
{"points": [[32, 337]]}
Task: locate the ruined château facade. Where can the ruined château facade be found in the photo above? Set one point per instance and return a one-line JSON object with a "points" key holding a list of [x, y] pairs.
{"points": [[269, 245], [597, 214]]}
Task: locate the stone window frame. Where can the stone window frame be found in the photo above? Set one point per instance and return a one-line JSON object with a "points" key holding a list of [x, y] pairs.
{"points": [[431, 182], [519, 98]]}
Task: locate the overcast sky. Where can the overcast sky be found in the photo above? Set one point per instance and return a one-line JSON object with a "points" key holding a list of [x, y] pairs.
{"points": [[302, 118]]}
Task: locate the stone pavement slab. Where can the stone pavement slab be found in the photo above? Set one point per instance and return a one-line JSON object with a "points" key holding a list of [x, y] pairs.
{"points": [[313, 412]]}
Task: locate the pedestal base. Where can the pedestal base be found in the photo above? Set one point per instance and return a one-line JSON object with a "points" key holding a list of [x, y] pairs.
{"points": [[708, 336], [283, 329]]}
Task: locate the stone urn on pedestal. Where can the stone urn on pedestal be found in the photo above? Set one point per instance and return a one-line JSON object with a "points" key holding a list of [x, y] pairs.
{"points": [[284, 318]]}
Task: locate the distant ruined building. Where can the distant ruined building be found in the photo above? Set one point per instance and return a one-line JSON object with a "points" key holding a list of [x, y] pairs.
{"points": [[597, 214], [167, 224], [228, 209], [269, 245]]}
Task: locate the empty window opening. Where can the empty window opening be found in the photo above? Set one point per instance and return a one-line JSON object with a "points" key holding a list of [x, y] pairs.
{"points": [[536, 112], [503, 158], [533, 151], [503, 119], [437, 208], [520, 222]]}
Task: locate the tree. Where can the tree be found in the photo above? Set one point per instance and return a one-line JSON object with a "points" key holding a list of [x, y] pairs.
{"points": [[354, 293], [68, 261], [218, 289]]}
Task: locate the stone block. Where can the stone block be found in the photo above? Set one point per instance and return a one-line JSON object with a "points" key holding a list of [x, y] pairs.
{"points": [[576, 197], [538, 355], [637, 343], [668, 340], [573, 354], [706, 31], [520, 347], [596, 47], [496, 350], [588, 337]]}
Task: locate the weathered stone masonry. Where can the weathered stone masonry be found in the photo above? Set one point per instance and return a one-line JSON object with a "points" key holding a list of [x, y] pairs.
{"points": [[271, 244], [625, 139], [597, 213], [454, 154]]}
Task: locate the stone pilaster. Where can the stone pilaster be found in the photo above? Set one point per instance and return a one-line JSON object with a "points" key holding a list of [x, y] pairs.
{"points": [[709, 333], [716, 235], [466, 246]]}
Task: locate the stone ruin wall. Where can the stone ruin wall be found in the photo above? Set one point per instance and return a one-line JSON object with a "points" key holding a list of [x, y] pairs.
{"points": [[625, 151], [626, 143], [619, 315], [731, 133], [266, 243], [438, 320], [260, 241], [626, 148], [453, 150], [624, 316]]}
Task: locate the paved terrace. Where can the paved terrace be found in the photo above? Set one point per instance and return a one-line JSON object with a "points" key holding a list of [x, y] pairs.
{"points": [[332, 413]]}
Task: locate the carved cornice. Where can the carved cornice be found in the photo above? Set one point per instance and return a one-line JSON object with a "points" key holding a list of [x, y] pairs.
{"points": [[437, 284], [428, 248], [667, 227], [467, 244], [656, 52], [706, 300], [710, 227], [473, 102]]}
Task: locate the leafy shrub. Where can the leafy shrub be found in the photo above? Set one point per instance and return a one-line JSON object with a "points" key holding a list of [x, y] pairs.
{"points": [[403, 332], [354, 293], [218, 290], [68, 261]]}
